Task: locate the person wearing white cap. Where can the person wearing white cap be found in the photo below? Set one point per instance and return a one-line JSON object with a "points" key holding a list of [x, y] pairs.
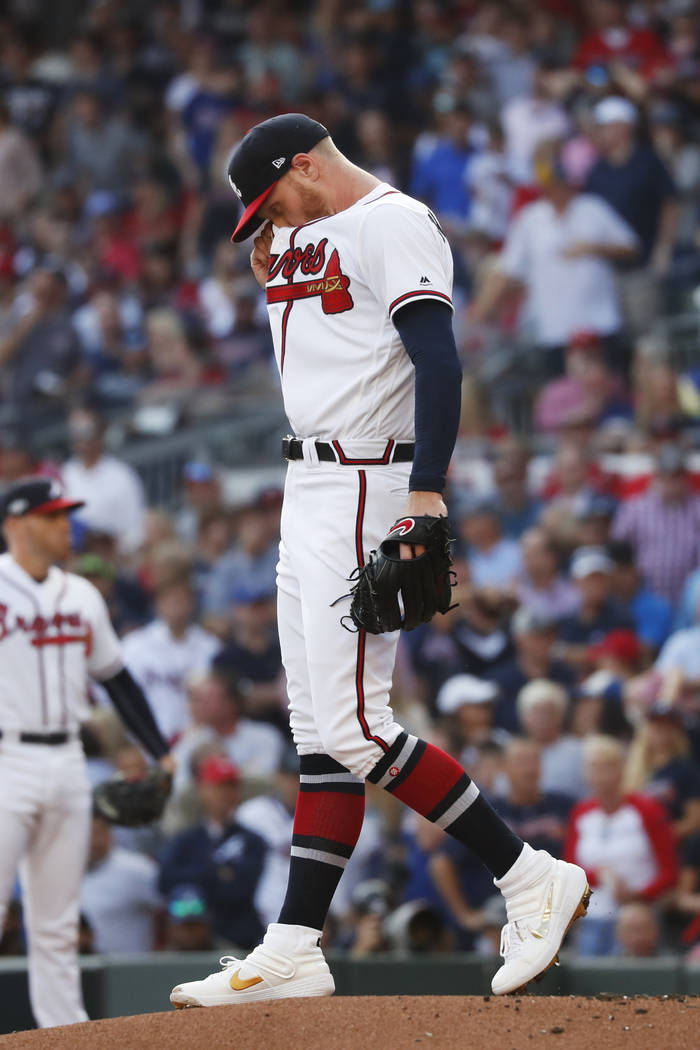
{"points": [[633, 179], [591, 569], [471, 701]]}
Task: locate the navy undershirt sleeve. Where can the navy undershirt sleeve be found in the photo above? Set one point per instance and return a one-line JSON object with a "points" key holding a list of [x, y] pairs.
{"points": [[128, 698], [426, 332]]}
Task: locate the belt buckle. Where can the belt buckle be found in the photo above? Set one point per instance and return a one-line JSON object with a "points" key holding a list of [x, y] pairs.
{"points": [[287, 446]]}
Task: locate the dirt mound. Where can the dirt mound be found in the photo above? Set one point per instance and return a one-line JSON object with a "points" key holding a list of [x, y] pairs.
{"points": [[393, 1023]]}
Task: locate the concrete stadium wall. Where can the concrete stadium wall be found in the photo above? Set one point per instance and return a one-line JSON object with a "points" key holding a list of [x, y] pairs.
{"points": [[123, 985]]}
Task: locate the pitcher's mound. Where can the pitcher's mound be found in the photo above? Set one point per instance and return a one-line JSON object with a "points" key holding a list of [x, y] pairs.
{"points": [[392, 1023]]}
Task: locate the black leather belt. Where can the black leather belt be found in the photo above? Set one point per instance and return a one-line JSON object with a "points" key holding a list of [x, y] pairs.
{"points": [[395, 452], [52, 739]]}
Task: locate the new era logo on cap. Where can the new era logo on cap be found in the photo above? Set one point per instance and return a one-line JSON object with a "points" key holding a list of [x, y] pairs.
{"points": [[279, 162]]}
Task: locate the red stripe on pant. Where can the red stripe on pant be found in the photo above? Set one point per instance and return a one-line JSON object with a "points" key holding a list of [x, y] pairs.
{"points": [[362, 635], [435, 774], [330, 815]]}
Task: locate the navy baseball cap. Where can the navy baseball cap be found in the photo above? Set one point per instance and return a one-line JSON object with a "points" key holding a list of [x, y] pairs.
{"points": [[261, 159], [36, 496]]}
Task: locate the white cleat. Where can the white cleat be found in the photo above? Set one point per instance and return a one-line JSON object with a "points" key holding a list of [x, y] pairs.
{"points": [[266, 973], [540, 916]]}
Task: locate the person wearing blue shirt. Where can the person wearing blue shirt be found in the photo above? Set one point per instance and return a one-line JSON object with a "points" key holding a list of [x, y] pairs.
{"points": [[438, 175], [651, 614], [220, 857]]}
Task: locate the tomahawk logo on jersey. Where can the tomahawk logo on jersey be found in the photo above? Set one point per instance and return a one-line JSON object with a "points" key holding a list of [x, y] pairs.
{"points": [[333, 285]]}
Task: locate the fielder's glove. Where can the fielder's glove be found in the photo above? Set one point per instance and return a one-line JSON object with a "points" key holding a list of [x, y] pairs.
{"points": [[133, 803], [423, 584]]}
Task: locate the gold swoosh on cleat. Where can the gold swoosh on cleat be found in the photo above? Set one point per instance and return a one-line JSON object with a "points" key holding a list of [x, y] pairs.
{"points": [[240, 986], [543, 928]]}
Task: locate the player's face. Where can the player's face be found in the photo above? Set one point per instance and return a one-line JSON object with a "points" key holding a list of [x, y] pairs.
{"points": [[49, 534], [293, 202]]}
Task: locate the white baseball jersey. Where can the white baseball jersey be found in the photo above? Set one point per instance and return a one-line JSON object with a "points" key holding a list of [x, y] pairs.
{"points": [[161, 665], [53, 635], [333, 287]]}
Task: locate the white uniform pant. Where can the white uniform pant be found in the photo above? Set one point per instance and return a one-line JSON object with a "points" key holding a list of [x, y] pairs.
{"points": [[45, 809], [338, 682]]}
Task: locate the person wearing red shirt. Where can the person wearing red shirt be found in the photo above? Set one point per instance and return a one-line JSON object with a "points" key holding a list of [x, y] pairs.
{"points": [[623, 841], [614, 42]]}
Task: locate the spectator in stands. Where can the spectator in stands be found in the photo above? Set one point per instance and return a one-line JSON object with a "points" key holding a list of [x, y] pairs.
{"points": [[219, 724], [542, 587], [20, 168], [532, 119], [594, 513], [219, 856], [252, 560], [119, 895], [613, 42], [659, 764], [114, 494], [188, 928], [252, 654], [682, 157], [128, 603], [467, 703], [201, 494], [100, 150], [624, 842], [166, 653], [493, 559], [663, 525], [598, 614], [518, 509], [527, 810], [534, 636], [637, 932], [439, 175], [561, 250], [40, 349], [543, 708], [601, 705], [651, 614], [632, 179]]}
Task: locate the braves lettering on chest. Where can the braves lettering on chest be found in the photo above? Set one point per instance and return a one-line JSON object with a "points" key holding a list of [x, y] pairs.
{"points": [[331, 285], [59, 629]]}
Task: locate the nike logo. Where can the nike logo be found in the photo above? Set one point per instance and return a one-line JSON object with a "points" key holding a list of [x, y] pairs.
{"points": [[240, 986], [543, 928]]}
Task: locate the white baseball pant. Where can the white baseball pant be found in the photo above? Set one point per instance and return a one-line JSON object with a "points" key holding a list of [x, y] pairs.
{"points": [[338, 681], [45, 815]]}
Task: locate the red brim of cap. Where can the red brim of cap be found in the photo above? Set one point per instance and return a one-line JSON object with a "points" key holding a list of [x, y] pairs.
{"points": [[249, 220], [57, 504]]}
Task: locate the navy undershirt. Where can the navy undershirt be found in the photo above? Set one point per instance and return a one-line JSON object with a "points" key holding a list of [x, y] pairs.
{"points": [[426, 332], [128, 698]]}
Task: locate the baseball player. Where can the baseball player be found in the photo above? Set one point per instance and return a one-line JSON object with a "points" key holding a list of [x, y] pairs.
{"points": [[358, 284], [54, 633]]}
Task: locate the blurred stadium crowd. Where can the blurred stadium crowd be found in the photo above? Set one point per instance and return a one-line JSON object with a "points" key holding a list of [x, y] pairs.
{"points": [[559, 144]]}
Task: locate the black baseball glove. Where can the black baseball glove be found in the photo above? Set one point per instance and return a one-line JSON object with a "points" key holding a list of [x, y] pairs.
{"points": [[421, 585], [133, 803]]}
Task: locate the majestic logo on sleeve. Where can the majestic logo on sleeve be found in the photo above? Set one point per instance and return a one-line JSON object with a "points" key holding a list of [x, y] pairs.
{"points": [[331, 285]]}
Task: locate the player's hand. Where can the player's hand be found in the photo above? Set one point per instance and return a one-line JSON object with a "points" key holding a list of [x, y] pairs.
{"points": [[260, 255], [420, 503], [167, 762]]}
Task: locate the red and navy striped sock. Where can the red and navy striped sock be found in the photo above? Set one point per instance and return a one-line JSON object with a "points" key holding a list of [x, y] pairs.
{"points": [[434, 785], [327, 823]]}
